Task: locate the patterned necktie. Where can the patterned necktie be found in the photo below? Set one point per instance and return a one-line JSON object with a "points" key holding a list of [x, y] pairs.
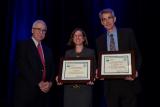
{"points": [[112, 43], [43, 61]]}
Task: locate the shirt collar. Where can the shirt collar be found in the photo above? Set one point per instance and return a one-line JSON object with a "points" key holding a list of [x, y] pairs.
{"points": [[113, 32], [35, 42]]}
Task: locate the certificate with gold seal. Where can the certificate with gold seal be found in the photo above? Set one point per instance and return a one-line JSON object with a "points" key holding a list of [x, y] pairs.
{"points": [[117, 64], [77, 70]]}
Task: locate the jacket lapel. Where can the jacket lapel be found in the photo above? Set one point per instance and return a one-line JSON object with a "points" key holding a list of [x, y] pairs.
{"points": [[35, 52]]}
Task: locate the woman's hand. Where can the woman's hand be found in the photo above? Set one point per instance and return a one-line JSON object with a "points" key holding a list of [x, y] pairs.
{"points": [[58, 83]]}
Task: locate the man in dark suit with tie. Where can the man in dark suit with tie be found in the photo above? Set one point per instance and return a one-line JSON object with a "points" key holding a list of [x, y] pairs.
{"points": [[35, 69], [119, 92]]}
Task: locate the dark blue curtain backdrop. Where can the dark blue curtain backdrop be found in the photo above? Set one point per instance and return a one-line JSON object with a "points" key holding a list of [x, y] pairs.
{"points": [[61, 16]]}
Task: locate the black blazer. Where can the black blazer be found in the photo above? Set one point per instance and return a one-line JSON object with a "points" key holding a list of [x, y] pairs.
{"points": [[126, 41], [30, 68], [86, 52], [84, 93]]}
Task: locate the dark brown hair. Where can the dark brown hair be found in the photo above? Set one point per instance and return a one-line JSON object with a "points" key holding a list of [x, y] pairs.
{"points": [[71, 43]]}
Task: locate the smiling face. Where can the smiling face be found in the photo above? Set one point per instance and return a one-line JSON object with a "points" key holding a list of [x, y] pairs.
{"points": [[78, 38], [108, 21], [39, 31]]}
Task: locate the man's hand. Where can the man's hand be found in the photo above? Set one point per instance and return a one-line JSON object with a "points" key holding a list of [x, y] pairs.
{"points": [[45, 86], [90, 83], [130, 78], [100, 78]]}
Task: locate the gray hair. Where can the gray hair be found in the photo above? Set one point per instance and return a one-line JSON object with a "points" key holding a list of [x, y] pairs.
{"points": [[39, 21], [108, 10]]}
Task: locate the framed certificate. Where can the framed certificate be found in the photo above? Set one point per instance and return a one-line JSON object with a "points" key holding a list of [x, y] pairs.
{"points": [[76, 70], [116, 64]]}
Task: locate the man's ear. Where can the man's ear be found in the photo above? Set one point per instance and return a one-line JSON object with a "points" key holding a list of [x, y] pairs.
{"points": [[32, 31], [101, 22], [114, 19]]}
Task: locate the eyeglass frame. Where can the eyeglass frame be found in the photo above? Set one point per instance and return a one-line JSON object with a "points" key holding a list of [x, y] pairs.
{"points": [[40, 30]]}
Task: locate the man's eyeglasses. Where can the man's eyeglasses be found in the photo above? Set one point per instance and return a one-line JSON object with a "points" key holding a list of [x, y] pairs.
{"points": [[40, 30]]}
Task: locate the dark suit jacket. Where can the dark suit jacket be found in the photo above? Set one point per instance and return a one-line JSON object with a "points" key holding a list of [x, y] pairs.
{"points": [[30, 70], [81, 97], [126, 41]]}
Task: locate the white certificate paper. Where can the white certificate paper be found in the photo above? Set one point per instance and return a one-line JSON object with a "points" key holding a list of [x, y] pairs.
{"points": [[76, 70], [116, 64]]}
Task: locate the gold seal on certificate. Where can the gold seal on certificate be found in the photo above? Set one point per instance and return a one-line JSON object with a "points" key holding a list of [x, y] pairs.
{"points": [[116, 64], [77, 70]]}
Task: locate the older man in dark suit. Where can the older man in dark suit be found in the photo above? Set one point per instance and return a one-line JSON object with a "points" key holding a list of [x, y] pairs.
{"points": [[35, 66]]}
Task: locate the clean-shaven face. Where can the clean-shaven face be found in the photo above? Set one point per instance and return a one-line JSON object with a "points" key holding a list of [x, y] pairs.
{"points": [[108, 21], [39, 31], [78, 38]]}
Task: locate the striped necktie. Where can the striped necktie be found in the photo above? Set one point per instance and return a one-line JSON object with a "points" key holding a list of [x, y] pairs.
{"points": [[112, 43]]}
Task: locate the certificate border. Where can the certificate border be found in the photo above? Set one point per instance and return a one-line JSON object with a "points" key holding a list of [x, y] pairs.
{"points": [[117, 76], [72, 59]]}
